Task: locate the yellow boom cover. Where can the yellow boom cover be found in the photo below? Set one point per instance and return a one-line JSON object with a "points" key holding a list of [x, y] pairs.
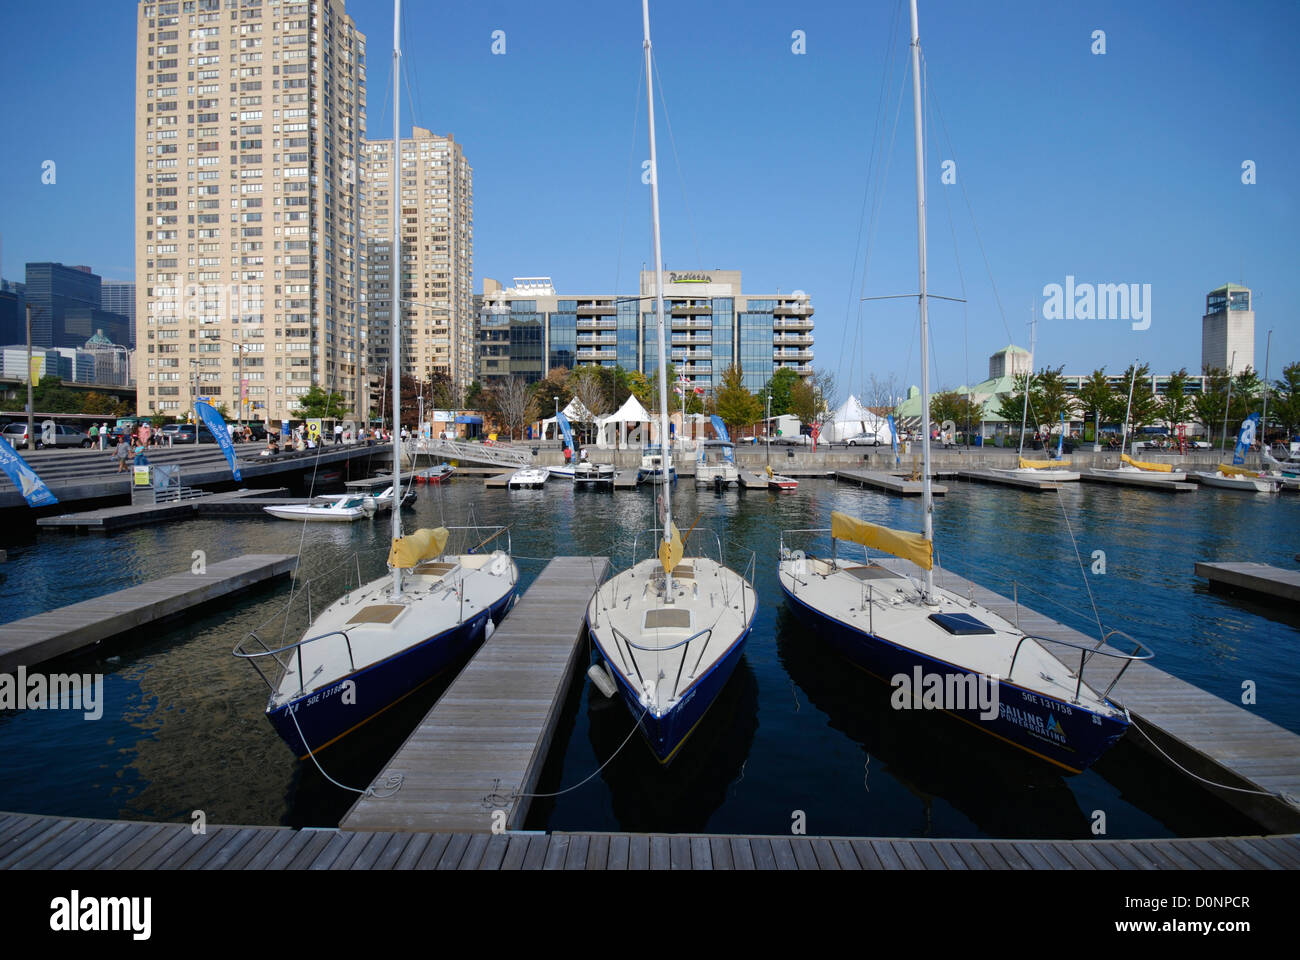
{"points": [[421, 545], [671, 550], [1143, 465], [1041, 464], [901, 543], [1228, 470]]}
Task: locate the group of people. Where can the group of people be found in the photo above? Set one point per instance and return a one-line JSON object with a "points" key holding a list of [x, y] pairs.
{"points": [[133, 447]]}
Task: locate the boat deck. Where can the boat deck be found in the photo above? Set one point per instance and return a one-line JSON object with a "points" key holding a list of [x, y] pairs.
{"points": [[482, 746], [55, 843]]}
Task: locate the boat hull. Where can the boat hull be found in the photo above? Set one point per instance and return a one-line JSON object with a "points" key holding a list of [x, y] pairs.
{"points": [[323, 716], [1064, 734], [1243, 484], [665, 735]]}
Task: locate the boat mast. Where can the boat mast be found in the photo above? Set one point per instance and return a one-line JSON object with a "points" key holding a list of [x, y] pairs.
{"points": [[659, 299], [1029, 375], [927, 497], [1123, 447], [396, 281]]}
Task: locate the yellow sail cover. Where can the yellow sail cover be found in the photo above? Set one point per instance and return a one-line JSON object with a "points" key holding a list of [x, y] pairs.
{"points": [[1041, 464], [901, 543], [671, 550], [421, 545], [1228, 470], [1143, 465]]}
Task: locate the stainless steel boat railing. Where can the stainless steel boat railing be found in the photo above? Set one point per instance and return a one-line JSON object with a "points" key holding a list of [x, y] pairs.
{"points": [[1086, 653], [707, 633]]}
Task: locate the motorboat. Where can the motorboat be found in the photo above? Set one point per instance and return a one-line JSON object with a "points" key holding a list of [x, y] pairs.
{"points": [[435, 475], [777, 482], [530, 478], [652, 465], [588, 474], [345, 509]]}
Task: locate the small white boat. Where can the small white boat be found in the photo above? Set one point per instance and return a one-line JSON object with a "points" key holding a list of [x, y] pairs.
{"points": [[344, 509], [1139, 468], [527, 478], [1245, 480], [716, 464], [565, 472], [593, 474], [1042, 470], [438, 474], [777, 482], [652, 465]]}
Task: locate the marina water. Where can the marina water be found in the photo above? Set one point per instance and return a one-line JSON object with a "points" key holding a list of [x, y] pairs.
{"points": [[798, 737]]}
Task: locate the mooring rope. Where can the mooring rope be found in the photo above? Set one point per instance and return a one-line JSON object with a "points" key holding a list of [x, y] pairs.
{"points": [[394, 781]]}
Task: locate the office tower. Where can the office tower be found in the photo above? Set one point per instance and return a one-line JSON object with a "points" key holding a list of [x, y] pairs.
{"points": [[1228, 329]]}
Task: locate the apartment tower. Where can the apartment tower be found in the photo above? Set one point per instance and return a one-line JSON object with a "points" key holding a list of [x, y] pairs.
{"points": [[250, 117]]}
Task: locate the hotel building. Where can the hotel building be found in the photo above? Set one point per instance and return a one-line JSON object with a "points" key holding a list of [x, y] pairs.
{"points": [[528, 328]]}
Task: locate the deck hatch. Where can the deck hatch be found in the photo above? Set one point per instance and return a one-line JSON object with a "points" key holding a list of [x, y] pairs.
{"points": [[872, 572], [434, 568], [961, 624], [377, 613], [667, 619]]}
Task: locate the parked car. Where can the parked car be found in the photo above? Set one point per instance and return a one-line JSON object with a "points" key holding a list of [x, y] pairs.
{"points": [[867, 439], [184, 433], [16, 433]]}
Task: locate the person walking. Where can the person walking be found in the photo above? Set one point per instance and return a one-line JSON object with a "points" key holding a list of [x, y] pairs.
{"points": [[103, 435], [93, 434], [338, 433], [121, 452]]}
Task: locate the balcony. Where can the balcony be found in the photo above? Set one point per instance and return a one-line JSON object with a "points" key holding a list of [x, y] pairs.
{"points": [[591, 340], [610, 324], [691, 309], [597, 354], [688, 340], [801, 323], [793, 339], [692, 324], [793, 310], [597, 310]]}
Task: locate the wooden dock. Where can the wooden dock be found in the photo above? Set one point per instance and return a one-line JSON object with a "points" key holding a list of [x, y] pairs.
{"points": [[625, 480], [482, 746], [889, 482], [1008, 480], [46, 635], [1214, 738], [499, 482], [29, 842], [1138, 480], [1258, 578], [112, 519]]}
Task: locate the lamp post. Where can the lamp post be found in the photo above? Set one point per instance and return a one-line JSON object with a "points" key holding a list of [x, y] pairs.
{"points": [[31, 404], [557, 417]]}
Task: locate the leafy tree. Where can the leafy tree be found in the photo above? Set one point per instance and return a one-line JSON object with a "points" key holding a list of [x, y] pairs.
{"points": [[803, 401], [545, 391], [1145, 407], [1011, 406], [1247, 396], [1096, 398], [639, 386], [441, 392], [1209, 405], [475, 396], [1177, 406], [94, 402], [779, 388], [1049, 398], [51, 396], [826, 390], [316, 403], [736, 405], [1284, 402]]}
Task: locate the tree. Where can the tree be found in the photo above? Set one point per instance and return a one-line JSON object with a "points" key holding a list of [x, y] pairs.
{"points": [[94, 402], [778, 389], [736, 405], [1049, 398], [51, 396], [826, 390], [882, 392], [512, 402], [1011, 406], [314, 404], [803, 401], [1284, 402], [1145, 407], [638, 385], [475, 396], [1209, 404], [441, 392], [1247, 396], [589, 390], [1177, 406], [545, 391], [1096, 398]]}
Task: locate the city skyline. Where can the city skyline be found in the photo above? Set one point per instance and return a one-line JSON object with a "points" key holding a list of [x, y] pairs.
{"points": [[1125, 168]]}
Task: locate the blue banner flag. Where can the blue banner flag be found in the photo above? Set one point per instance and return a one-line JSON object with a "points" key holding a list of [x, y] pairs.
{"points": [[221, 432], [720, 428], [563, 421], [893, 438], [1060, 446], [1245, 439], [32, 487]]}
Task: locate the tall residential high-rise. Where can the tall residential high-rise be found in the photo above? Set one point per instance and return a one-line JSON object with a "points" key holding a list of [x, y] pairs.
{"points": [[527, 329], [65, 306], [118, 296], [249, 123], [1228, 329], [437, 204]]}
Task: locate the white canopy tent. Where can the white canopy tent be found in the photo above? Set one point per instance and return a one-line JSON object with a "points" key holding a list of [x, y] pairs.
{"points": [[852, 419], [575, 412], [612, 431]]}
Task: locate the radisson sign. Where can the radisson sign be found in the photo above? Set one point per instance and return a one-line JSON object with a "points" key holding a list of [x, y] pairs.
{"points": [[689, 278]]}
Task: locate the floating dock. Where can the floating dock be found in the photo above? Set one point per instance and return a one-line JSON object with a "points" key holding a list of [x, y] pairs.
{"points": [[1257, 578], [68, 629], [625, 480], [888, 482], [112, 519], [56, 843], [1137, 480], [482, 746], [499, 482], [1212, 737], [1008, 480]]}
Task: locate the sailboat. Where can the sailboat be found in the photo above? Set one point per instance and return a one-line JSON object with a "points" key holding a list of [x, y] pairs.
{"points": [[670, 629], [1038, 469], [1237, 476], [890, 624], [1138, 469], [383, 640]]}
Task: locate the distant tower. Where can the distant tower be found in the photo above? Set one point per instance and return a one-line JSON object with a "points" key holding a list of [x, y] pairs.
{"points": [[1228, 328]]}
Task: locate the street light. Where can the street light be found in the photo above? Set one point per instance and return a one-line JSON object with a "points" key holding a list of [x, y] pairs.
{"points": [[557, 417]]}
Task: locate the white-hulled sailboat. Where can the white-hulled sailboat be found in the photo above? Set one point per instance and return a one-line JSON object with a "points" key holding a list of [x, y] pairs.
{"points": [[1139, 469], [889, 623], [381, 641], [671, 628]]}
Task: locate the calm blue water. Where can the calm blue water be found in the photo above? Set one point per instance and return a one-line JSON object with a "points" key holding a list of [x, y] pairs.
{"points": [[795, 730]]}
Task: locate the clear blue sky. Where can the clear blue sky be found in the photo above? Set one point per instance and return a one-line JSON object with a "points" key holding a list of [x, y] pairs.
{"points": [[1122, 168]]}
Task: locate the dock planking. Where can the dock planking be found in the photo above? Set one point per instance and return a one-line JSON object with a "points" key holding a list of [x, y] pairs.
{"points": [[68, 629], [34, 842], [889, 482], [112, 519], [1258, 578], [1008, 480], [1144, 481], [489, 733], [1212, 737]]}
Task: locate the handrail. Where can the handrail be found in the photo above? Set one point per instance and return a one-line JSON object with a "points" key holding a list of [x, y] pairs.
{"points": [[1087, 652], [296, 645]]}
